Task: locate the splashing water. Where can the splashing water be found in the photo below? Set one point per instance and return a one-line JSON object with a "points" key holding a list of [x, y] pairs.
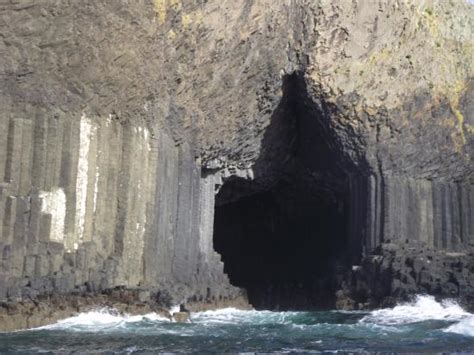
{"points": [[423, 325], [421, 309], [464, 327], [173, 310], [102, 319]]}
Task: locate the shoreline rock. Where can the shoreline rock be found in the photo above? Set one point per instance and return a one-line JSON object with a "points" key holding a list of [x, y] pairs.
{"points": [[47, 310]]}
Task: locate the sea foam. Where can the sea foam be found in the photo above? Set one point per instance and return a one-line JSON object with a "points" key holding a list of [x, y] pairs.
{"points": [[102, 319], [463, 327], [423, 308], [238, 316]]}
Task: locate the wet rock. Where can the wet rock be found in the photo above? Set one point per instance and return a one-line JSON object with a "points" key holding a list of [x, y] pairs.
{"points": [[181, 317], [437, 273]]}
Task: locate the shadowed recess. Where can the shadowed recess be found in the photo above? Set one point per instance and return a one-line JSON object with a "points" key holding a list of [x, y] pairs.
{"points": [[283, 236]]}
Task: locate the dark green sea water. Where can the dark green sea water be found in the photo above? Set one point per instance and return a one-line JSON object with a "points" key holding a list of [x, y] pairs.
{"points": [[420, 326]]}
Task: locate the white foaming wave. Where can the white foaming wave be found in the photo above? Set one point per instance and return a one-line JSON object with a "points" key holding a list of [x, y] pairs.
{"points": [[463, 327], [223, 315], [102, 319], [423, 308], [234, 315], [173, 310]]}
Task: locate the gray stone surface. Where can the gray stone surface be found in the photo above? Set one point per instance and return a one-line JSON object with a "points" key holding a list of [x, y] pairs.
{"points": [[120, 120]]}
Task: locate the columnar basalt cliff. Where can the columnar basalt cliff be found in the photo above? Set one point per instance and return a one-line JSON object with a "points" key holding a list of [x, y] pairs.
{"points": [[292, 154]]}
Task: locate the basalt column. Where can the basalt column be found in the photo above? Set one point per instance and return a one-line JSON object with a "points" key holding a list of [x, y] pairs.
{"points": [[318, 225]]}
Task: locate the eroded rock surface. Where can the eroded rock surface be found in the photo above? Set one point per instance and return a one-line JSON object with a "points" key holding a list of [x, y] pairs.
{"points": [[125, 125]]}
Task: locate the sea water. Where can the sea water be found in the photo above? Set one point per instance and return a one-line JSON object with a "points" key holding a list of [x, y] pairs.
{"points": [[422, 325]]}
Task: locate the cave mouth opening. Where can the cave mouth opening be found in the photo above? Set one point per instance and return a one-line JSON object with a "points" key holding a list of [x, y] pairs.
{"points": [[284, 235], [285, 246]]}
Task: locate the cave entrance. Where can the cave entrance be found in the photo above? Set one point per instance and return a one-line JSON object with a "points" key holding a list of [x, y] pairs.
{"points": [[284, 246], [283, 236]]}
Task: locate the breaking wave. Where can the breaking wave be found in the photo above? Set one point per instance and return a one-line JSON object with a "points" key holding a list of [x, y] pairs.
{"points": [[237, 316], [101, 319], [464, 327], [421, 325], [423, 308]]}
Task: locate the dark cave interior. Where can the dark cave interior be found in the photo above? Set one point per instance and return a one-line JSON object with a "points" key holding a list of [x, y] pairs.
{"points": [[284, 236]]}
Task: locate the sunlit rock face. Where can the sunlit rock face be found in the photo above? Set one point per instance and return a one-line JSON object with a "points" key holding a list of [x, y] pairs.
{"points": [[307, 154]]}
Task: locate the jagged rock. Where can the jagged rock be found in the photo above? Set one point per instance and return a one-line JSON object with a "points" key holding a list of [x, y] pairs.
{"points": [[181, 317]]}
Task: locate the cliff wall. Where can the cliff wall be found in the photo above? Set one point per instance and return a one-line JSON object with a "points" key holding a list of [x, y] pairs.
{"points": [[125, 124]]}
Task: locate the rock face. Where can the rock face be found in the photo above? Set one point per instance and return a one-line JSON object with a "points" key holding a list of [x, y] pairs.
{"points": [[318, 152]]}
